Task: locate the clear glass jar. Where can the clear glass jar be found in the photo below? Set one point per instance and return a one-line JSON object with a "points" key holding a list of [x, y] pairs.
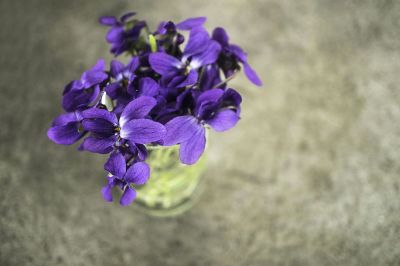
{"points": [[173, 187]]}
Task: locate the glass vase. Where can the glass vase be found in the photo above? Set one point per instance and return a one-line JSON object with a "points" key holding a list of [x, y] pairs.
{"points": [[173, 187]]}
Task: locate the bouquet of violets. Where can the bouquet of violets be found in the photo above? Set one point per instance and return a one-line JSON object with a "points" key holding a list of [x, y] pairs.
{"points": [[172, 88]]}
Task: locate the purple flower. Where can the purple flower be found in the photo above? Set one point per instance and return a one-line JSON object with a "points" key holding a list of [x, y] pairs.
{"points": [[123, 34], [189, 130], [231, 54], [79, 94], [199, 51], [122, 77], [132, 126], [137, 173], [66, 129]]}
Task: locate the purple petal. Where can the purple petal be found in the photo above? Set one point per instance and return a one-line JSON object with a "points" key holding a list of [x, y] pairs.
{"points": [[223, 120], [191, 79], [213, 95], [232, 97], [64, 119], [142, 131], [113, 90], [96, 113], [191, 150], [128, 196], [72, 86], [148, 87], [197, 43], [211, 77], [137, 108], [98, 126], [180, 129], [133, 64], [138, 150], [238, 52], [108, 20], [127, 16], [76, 99], [65, 134], [106, 192], [208, 56], [141, 152], [98, 145], [163, 63], [116, 67], [190, 23], [251, 74], [138, 173], [95, 75], [115, 34], [116, 165], [220, 35]]}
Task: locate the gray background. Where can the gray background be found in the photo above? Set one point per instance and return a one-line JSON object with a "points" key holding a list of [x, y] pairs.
{"points": [[310, 176]]}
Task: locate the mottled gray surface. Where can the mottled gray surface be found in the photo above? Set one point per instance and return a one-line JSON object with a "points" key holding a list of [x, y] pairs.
{"points": [[310, 176]]}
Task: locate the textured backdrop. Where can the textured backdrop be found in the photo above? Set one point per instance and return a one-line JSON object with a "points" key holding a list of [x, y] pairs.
{"points": [[310, 176]]}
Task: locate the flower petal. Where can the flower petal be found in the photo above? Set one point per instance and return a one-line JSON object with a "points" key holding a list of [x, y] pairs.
{"points": [[65, 134], [133, 64], [75, 99], [208, 56], [113, 90], [223, 120], [116, 67], [106, 192], [220, 35], [180, 129], [96, 113], [128, 196], [98, 126], [190, 23], [238, 52], [232, 97], [98, 144], [137, 108], [190, 79], [191, 150], [213, 95], [197, 43], [142, 131], [95, 75], [108, 20], [138, 173], [116, 165], [115, 34], [64, 119], [127, 16], [211, 77], [163, 63], [251, 74], [148, 87]]}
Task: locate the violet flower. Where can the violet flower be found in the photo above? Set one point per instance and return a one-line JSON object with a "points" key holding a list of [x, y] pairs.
{"points": [[231, 54], [137, 174], [79, 94], [199, 51], [107, 130], [189, 130], [122, 36], [122, 77], [66, 129]]}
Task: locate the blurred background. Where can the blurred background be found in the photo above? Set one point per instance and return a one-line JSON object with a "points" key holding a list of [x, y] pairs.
{"points": [[310, 176]]}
